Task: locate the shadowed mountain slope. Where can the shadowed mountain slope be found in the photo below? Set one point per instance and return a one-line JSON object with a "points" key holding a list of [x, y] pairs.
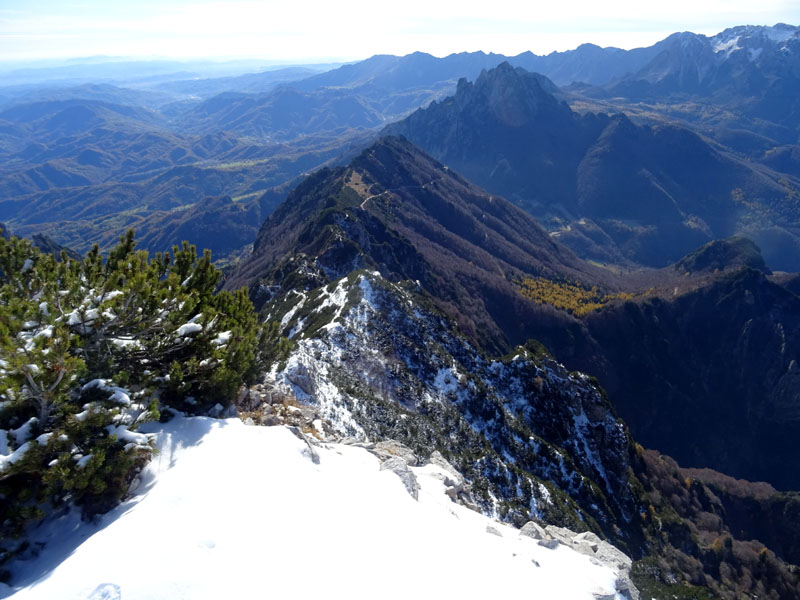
{"points": [[611, 188]]}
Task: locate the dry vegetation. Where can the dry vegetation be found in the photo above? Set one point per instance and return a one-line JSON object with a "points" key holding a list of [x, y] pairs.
{"points": [[698, 538], [574, 298]]}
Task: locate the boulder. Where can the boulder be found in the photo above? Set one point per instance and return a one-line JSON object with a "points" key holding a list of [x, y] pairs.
{"points": [[441, 462], [534, 530], [588, 536], [391, 448], [625, 586], [493, 531], [613, 557], [561, 534], [584, 547], [400, 468]]}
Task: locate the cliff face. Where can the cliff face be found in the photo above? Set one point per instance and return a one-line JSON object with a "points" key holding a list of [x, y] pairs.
{"points": [[710, 377]]}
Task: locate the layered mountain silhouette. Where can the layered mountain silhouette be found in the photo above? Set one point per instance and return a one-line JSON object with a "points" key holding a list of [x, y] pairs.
{"points": [[88, 142], [608, 186]]}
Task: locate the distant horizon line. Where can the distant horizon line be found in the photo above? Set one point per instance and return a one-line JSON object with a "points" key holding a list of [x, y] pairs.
{"points": [[85, 59]]}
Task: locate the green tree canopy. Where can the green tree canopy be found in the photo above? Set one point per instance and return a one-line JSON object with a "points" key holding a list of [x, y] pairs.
{"points": [[91, 348]]}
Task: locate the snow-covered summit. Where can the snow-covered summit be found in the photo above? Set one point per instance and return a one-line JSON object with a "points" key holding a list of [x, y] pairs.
{"points": [[755, 39], [230, 511]]}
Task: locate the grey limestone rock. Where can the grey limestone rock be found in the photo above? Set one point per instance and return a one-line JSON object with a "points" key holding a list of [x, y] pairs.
{"points": [[390, 448], [493, 531], [309, 449], [588, 536], [561, 534], [400, 468], [613, 557], [534, 530], [441, 462]]}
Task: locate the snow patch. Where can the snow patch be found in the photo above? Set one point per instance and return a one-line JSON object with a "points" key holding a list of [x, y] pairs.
{"points": [[23, 433], [728, 46], [16, 456], [367, 522], [222, 339], [291, 312], [188, 328]]}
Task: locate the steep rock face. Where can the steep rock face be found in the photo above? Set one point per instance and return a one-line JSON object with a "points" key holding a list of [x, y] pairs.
{"points": [[532, 439], [508, 133], [710, 377], [654, 192]]}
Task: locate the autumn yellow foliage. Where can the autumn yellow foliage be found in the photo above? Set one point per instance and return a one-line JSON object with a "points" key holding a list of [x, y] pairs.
{"points": [[571, 297]]}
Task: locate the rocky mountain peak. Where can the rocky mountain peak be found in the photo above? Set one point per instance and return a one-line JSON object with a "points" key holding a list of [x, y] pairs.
{"points": [[514, 97]]}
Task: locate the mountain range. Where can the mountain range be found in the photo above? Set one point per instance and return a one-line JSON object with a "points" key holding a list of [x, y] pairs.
{"points": [[608, 187], [534, 274]]}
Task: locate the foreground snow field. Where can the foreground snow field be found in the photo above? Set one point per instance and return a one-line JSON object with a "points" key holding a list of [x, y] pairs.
{"points": [[230, 511]]}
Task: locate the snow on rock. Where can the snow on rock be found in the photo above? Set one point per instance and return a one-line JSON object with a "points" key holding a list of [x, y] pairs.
{"points": [[727, 46], [287, 317], [382, 345], [342, 523]]}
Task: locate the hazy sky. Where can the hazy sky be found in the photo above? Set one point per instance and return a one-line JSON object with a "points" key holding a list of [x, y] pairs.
{"points": [[353, 29]]}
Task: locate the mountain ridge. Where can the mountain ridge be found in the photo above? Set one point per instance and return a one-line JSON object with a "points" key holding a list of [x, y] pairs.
{"points": [[397, 210]]}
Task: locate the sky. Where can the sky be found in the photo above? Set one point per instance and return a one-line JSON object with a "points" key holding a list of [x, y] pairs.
{"points": [[311, 31]]}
